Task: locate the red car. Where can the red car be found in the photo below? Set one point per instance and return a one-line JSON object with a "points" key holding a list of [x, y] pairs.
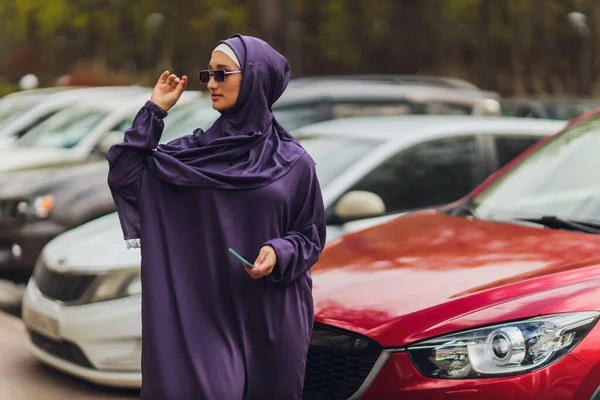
{"points": [[494, 297]]}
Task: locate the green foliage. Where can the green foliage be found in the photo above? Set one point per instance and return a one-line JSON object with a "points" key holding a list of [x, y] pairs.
{"points": [[512, 46], [6, 88]]}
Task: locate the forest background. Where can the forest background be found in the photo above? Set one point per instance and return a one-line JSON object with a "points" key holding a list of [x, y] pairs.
{"points": [[516, 47]]}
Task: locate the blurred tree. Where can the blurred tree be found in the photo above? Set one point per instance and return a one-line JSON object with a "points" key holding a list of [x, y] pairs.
{"points": [[517, 47]]}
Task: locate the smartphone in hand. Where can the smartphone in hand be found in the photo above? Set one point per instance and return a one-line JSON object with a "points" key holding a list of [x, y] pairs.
{"points": [[242, 259]]}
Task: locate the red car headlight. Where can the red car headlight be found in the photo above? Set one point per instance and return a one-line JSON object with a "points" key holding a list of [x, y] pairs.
{"points": [[506, 349]]}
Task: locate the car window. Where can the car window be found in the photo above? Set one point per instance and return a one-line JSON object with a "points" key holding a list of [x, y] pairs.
{"points": [[568, 111], [560, 109], [428, 174], [33, 124], [292, 118], [357, 109], [65, 129], [330, 161], [508, 147], [123, 125], [559, 179], [344, 110]]}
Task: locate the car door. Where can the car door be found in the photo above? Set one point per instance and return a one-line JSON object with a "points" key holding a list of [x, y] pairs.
{"points": [[430, 173]]}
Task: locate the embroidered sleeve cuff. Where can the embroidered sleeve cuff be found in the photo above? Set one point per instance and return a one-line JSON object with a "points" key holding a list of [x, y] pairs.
{"points": [[160, 113], [133, 244]]}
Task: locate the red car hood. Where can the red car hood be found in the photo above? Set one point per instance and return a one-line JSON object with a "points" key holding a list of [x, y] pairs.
{"points": [[413, 277]]}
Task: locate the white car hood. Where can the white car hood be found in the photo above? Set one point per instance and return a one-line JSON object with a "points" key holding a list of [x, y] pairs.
{"points": [[17, 158], [93, 247]]}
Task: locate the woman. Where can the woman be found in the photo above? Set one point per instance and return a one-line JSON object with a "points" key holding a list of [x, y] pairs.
{"points": [[212, 328]]}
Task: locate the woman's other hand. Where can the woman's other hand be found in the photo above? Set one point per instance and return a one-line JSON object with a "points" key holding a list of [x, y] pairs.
{"points": [[168, 90], [264, 264]]}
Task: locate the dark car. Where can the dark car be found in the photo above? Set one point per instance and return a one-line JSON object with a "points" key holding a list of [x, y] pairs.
{"points": [[37, 205]]}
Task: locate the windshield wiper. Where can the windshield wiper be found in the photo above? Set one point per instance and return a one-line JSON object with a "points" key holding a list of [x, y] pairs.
{"points": [[552, 221]]}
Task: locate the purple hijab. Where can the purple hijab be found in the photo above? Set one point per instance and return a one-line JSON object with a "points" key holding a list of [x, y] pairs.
{"points": [[245, 148]]}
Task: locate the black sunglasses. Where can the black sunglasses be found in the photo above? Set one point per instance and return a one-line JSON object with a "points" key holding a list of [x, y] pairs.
{"points": [[218, 74]]}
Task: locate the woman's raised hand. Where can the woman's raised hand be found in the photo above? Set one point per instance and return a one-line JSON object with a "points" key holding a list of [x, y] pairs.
{"points": [[168, 90]]}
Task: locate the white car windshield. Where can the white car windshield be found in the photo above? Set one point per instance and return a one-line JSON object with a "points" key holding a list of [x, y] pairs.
{"points": [[331, 162], [64, 130], [560, 179], [9, 112]]}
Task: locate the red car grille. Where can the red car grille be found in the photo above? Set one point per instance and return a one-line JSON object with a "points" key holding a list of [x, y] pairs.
{"points": [[338, 363]]}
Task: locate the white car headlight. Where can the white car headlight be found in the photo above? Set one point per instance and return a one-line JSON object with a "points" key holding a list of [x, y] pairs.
{"points": [[505, 349], [117, 285]]}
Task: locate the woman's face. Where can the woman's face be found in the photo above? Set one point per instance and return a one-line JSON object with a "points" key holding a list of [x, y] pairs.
{"points": [[224, 94]]}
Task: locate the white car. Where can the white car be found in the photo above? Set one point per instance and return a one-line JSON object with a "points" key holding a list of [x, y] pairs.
{"points": [[77, 134], [82, 307], [14, 105], [36, 113]]}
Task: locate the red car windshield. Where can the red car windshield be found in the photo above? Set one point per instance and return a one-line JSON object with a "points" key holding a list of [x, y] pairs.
{"points": [[560, 179]]}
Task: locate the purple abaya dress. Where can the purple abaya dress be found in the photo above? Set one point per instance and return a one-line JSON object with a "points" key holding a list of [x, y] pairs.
{"points": [[210, 331]]}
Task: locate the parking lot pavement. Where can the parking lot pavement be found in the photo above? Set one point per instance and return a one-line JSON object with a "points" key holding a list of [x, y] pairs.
{"points": [[22, 377], [10, 296]]}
